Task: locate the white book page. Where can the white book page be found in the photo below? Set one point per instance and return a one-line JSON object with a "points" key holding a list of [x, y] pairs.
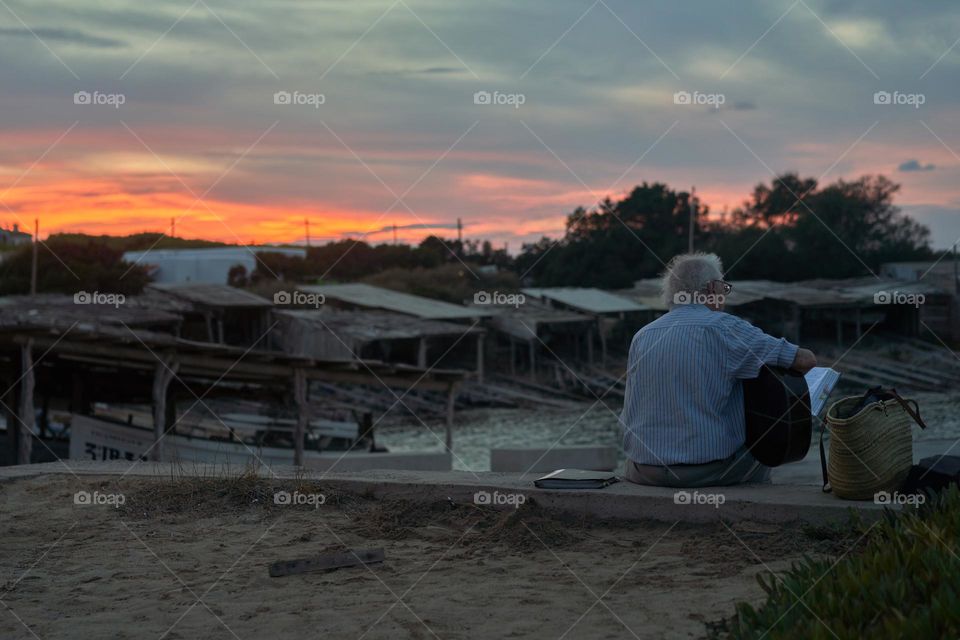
{"points": [[820, 381]]}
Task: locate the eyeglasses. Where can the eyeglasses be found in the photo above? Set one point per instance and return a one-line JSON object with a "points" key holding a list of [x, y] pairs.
{"points": [[727, 287]]}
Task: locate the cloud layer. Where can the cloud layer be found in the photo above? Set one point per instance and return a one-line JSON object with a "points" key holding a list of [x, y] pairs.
{"points": [[416, 113]]}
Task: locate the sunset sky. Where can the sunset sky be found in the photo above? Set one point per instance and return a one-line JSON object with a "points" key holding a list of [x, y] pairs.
{"points": [[399, 138]]}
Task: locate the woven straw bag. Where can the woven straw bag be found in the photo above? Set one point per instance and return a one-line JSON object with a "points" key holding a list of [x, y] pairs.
{"points": [[872, 449]]}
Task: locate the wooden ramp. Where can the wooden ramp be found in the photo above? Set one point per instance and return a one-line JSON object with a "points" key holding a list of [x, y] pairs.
{"points": [[908, 363]]}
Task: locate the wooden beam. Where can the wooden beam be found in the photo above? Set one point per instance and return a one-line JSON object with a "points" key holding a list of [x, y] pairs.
{"points": [[232, 368], [27, 413], [300, 394]]}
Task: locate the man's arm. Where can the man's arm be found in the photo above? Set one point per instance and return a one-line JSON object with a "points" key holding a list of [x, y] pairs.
{"points": [[748, 348]]}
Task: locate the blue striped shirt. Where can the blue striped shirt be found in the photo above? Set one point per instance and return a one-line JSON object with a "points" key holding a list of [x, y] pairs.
{"points": [[683, 402]]}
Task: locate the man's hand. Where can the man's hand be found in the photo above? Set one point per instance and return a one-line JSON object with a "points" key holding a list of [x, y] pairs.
{"points": [[804, 361]]}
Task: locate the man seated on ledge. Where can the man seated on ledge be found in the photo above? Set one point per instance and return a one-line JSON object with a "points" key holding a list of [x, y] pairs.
{"points": [[683, 416]]}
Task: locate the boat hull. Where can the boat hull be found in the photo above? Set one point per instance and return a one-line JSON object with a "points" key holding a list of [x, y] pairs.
{"points": [[93, 439]]}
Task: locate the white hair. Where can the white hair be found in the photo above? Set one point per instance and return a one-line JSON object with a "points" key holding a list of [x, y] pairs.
{"points": [[690, 273]]}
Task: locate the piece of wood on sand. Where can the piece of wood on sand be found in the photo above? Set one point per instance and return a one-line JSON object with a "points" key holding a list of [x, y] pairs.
{"points": [[327, 562]]}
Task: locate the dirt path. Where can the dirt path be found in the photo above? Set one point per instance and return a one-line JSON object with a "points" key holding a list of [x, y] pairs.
{"points": [[191, 561]]}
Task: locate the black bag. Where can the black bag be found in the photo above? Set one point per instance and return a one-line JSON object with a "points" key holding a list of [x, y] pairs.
{"points": [[933, 473]]}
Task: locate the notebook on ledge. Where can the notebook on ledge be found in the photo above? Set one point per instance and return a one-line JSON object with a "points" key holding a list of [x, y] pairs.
{"points": [[575, 479]]}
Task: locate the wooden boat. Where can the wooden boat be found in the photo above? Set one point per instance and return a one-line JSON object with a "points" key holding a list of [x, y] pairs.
{"points": [[237, 439]]}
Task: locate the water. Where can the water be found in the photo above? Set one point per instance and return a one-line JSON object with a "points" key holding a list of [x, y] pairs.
{"points": [[479, 430]]}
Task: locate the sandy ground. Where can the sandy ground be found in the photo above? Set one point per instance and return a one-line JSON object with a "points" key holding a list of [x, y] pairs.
{"points": [[189, 559]]}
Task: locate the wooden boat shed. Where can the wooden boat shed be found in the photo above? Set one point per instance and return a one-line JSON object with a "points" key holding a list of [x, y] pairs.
{"points": [[364, 297], [611, 312], [337, 334], [74, 355], [218, 312], [836, 308]]}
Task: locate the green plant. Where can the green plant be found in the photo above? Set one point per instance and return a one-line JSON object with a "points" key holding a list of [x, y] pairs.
{"points": [[903, 581]]}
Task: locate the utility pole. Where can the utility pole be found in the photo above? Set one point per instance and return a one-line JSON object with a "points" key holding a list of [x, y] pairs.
{"points": [[306, 224], [33, 260], [173, 227], [693, 218], [459, 231], [394, 233]]}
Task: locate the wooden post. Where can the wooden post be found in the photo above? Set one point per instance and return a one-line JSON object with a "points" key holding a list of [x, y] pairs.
{"points": [[603, 342], [590, 345], [422, 353], [451, 404], [480, 338], [209, 320], [513, 356], [300, 397], [27, 413], [532, 348], [163, 374]]}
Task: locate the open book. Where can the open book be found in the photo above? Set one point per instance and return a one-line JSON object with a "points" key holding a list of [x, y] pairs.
{"points": [[820, 382]]}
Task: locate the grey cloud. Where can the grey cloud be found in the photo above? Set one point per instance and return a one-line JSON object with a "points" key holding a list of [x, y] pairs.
{"points": [[62, 35], [914, 165]]}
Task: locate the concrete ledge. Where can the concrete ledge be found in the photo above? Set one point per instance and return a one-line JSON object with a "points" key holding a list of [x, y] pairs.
{"points": [[594, 458], [622, 501]]}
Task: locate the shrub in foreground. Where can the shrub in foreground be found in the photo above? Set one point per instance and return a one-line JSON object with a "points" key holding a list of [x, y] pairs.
{"points": [[904, 582]]}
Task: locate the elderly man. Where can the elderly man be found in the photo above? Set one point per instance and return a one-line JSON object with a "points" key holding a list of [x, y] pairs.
{"points": [[683, 416]]}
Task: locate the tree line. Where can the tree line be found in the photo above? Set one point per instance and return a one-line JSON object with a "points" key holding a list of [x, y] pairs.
{"points": [[790, 229]]}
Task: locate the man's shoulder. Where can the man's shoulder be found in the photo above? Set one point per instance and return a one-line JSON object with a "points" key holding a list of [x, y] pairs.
{"points": [[696, 319], [679, 319], [692, 315]]}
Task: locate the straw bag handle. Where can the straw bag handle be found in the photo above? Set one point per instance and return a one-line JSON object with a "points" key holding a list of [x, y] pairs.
{"points": [[823, 460], [913, 412]]}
